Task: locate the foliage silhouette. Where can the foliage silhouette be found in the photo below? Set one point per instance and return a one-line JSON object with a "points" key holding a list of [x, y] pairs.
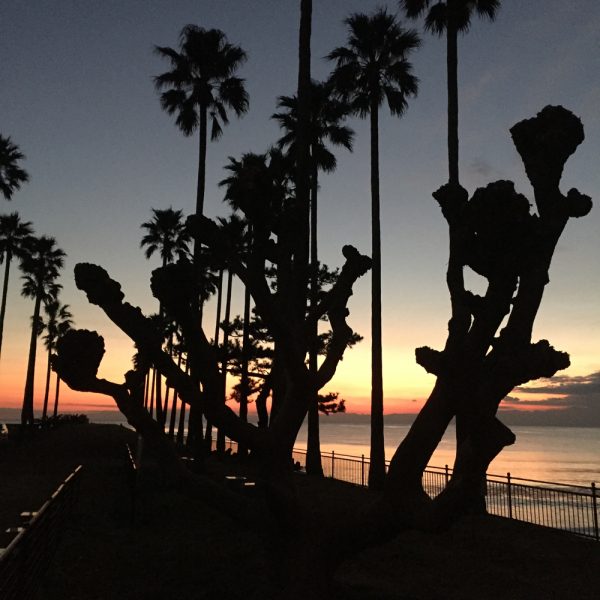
{"points": [[11, 174], [488, 351], [15, 235], [373, 69], [326, 115], [41, 267], [166, 235], [202, 84], [451, 17], [59, 321]]}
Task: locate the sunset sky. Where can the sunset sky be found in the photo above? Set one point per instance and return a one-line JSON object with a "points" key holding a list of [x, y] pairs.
{"points": [[77, 98]]}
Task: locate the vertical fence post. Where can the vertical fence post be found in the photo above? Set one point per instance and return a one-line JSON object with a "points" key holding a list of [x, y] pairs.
{"points": [[362, 470], [446, 474], [332, 464], [595, 505], [509, 496]]}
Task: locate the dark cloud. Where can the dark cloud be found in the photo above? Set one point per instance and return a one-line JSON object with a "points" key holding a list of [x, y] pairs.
{"points": [[578, 402], [563, 384], [511, 400]]}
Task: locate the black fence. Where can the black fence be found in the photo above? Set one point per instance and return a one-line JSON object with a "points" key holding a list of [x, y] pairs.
{"points": [[26, 558], [570, 508]]}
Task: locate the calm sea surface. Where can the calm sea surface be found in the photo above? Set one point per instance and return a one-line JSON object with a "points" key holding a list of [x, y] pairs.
{"points": [[555, 454]]}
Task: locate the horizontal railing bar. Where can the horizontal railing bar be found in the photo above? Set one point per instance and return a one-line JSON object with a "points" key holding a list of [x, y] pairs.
{"points": [[565, 507], [442, 470]]}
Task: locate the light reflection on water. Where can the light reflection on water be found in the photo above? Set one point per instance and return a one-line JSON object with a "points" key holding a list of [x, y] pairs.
{"points": [[555, 454], [568, 455]]}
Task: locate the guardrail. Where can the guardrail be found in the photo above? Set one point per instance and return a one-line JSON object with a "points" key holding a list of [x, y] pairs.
{"points": [[24, 561], [571, 508]]}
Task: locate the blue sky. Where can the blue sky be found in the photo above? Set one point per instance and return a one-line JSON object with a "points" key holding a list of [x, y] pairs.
{"points": [[77, 97]]}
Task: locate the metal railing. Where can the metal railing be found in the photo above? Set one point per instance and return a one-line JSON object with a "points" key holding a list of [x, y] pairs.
{"points": [[24, 561], [571, 508]]}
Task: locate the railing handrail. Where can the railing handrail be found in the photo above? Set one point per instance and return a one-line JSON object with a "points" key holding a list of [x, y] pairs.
{"points": [[435, 468], [17, 564], [565, 507]]}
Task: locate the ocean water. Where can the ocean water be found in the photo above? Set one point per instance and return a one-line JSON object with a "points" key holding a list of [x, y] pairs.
{"points": [[568, 455]]}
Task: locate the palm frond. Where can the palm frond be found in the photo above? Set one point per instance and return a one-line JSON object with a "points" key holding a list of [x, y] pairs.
{"points": [[12, 175], [414, 8]]}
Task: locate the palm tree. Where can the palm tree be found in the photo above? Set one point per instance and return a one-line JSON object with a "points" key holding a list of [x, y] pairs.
{"points": [[370, 70], [236, 229], [326, 114], [166, 235], [14, 236], [40, 267], [200, 84], [59, 321], [451, 16], [11, 174]]}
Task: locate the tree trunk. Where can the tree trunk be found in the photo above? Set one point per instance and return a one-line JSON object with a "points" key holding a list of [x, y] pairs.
{"points": [[152, 390], [200, 197], [147, 390], [302, 217], [160, 410], [27, 410], [415, 450], [208, 436], [47, 389], [313, 443], [377, 466], [56, 392], [7, 258], [201, 163], [220, 434], [244, 379], [452, 68], [261, 401], [174, 405], [181, 425]]}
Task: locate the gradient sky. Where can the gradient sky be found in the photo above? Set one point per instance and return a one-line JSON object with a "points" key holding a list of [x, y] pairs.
{"points": [[77, 97]]}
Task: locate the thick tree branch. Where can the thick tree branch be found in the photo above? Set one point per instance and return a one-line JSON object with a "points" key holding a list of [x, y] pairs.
{"points": [[281, 328], [335, 303], [106, 293]]}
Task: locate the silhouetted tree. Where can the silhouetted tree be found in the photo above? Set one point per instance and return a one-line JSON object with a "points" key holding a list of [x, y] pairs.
{"points": [[166, 235], [40, 267], [252, 187], [493, 233], [14, 237], [202, 84], [11, 174], [373, 69], [326, 116], [452, 17], [235, 230], [58, 322]]}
